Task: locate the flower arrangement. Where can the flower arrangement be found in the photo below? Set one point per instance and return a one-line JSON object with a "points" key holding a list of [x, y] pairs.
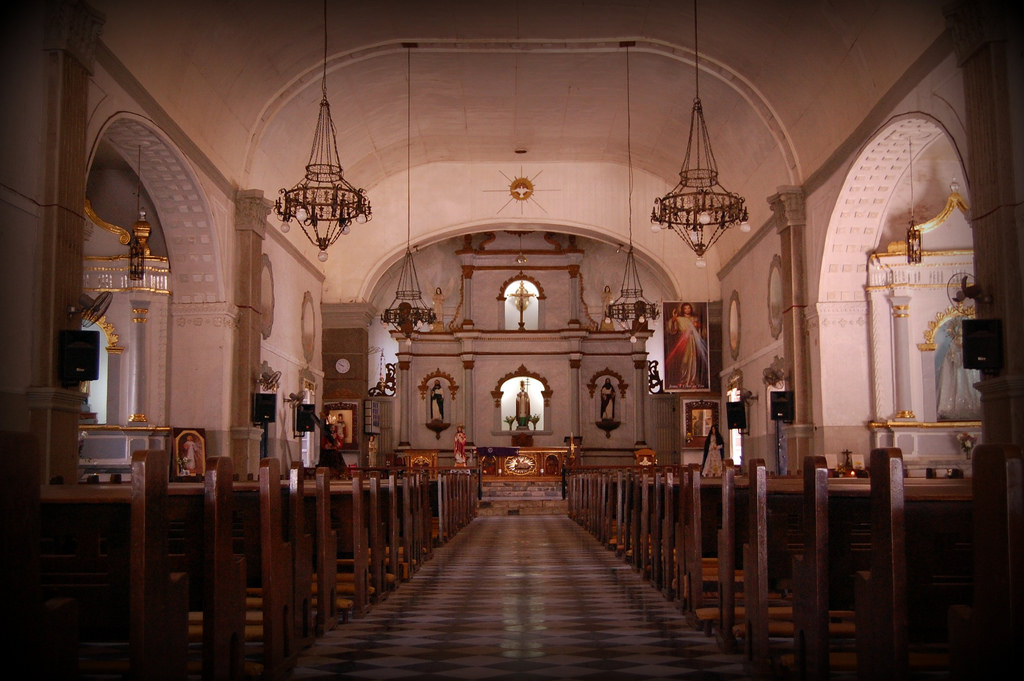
{"points": [[510, 420], [534, 418], [967, 442]]}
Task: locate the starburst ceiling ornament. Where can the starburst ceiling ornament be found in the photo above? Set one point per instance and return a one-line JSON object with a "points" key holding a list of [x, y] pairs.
{"points": [[699, 209], [407, 311], [631, 310], [324, 203]]}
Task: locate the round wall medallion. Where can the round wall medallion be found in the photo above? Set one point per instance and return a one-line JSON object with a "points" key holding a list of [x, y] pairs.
{"points": [[308, 326], [734, 325], [266, 297], [775, 297]]}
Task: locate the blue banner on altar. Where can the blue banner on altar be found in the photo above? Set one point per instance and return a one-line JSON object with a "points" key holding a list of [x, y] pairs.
{"points": [[497, 451]]}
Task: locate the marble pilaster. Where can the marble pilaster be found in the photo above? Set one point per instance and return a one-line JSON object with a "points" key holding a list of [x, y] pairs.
{"points": [[788, 207]]}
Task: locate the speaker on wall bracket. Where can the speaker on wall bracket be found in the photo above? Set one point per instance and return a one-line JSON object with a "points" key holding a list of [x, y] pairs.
{"points": [[982, 344], [264, 406], [736, 415], [305, 419], [782, 405], [78, 356]]}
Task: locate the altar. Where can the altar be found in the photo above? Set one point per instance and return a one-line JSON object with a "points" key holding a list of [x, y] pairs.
{"points": [[523, 461]]}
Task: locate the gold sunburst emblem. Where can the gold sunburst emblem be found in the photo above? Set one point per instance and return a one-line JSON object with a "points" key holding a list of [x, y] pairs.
{"points": [[521, 188]]}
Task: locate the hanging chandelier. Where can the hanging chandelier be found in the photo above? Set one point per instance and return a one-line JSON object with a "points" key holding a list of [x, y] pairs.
{"points": [[913, 231], [407, 311], [631, 310], [323, 203], [699, 209], [138, 247]]}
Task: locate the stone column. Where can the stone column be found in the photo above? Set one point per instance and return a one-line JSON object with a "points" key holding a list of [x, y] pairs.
{"points": [[405, 389], [903, 404], [467, 297], [574, 297], [469, 390], [54, 182], [790, 220], [575, 424], [988, 36], [138, 384], [640, 387], [251, 211]]}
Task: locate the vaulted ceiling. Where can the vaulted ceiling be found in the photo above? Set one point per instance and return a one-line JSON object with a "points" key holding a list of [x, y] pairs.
{"points": [[784, 83]]}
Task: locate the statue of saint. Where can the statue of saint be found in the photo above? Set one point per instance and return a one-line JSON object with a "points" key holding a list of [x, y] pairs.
{"points": [[460, 446], [437, 402], [607, 401], [438, 310], [522, 405]]}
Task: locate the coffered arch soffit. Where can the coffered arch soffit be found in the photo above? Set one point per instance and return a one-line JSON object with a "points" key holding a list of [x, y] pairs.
{"points": [[184, 212]]}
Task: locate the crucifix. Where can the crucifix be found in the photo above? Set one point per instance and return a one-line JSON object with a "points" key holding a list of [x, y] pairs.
{"points": [[521, 301]]}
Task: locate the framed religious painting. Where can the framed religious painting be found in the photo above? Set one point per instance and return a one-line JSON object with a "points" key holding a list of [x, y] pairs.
{"points": [[188, 456], [699, 416], [687, 356], [340, 418]]}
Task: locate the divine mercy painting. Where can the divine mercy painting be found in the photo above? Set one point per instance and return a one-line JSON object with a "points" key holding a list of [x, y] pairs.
{"points": [[685, 335]]}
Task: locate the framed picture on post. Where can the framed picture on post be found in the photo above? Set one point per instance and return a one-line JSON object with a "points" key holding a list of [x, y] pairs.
{"points": [[342, 418], [188, 457], [699, 416]]}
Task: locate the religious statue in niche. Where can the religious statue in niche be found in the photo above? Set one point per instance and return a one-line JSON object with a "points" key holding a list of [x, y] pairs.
{"points": [[435, 415], [522, 406], [437, 402], [607, 421]]}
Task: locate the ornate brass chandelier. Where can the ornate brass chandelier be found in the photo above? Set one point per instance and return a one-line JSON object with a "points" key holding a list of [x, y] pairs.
{"points": [[630, 309], [407, 311], [699, 209], [913, 231], [138, 246], [323, 203]]}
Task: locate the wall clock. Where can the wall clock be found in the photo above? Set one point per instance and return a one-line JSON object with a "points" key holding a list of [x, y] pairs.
{"points": [[342, 366]]}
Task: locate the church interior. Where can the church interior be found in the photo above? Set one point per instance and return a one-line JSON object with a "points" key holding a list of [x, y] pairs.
{"points": [[520, 238]]}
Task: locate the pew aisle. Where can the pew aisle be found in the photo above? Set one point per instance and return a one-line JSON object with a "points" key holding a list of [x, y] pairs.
{"points": [[520, 598]]}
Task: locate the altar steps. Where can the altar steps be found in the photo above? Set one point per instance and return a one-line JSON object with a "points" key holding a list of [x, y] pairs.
{"points": [[522, 496]]}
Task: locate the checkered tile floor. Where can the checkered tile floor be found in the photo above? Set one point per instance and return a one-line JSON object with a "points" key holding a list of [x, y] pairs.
{"points": [[521, 598]]}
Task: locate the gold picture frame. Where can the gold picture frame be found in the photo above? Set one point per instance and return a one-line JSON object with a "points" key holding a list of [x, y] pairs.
{"points": [[699, 416]]}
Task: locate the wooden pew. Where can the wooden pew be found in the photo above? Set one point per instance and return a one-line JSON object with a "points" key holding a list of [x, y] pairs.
{"points": [[261, 517], [106, 547], [326, 602], [202, 544], [303, 559], [916, 546], [985, 635], [41, 638]]}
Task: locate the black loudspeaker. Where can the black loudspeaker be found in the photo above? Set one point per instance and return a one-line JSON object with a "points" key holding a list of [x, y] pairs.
{"points": [[79, 356], [782, 405], [736, 415], [264, 407], [305, 418], [983, 344]]}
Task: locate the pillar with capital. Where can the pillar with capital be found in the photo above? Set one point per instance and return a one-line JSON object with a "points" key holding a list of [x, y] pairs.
{"points": [[137, 374], [251, 211], [901, 357], [640, 381], [989, 43], [788, 207]]}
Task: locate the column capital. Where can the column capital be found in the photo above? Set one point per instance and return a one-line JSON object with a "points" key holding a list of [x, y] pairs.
{"points": [[74, 27], [789, 207], [973, 23], [251, 211]]}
